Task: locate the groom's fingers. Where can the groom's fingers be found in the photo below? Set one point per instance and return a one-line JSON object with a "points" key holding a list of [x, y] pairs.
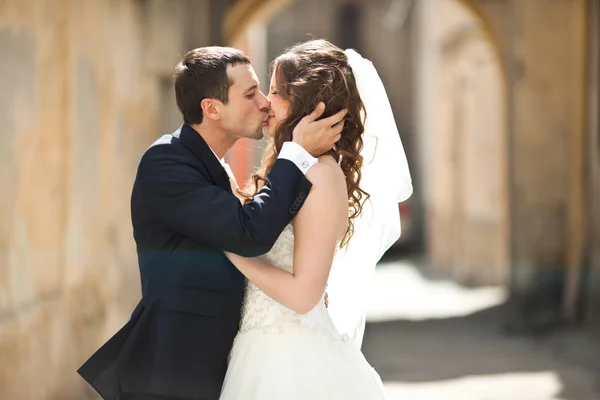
{"points": [[336, 130], [339, 127], [335, 119], [316, 113]]}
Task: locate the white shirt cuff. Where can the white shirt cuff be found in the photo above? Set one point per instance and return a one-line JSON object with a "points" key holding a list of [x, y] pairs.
{"points": [[295, 153]]}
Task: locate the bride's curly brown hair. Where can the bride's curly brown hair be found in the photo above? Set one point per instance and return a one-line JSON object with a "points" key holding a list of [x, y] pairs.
{"points": [[306, 74]]}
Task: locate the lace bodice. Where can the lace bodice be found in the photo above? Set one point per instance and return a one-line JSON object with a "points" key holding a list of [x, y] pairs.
{"points": [[259, 311]]}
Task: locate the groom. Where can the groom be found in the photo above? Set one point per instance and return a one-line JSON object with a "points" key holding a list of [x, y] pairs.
{"points": [[184, 215]]}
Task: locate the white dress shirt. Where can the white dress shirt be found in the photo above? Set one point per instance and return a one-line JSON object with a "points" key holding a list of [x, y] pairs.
{"points": [[295, 153]]}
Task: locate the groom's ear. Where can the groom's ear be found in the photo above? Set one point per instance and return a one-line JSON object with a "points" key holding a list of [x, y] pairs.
{"points": [[210, 109]]}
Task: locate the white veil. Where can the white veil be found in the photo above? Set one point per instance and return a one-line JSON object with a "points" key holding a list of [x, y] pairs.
{"points": [[386, 177]]}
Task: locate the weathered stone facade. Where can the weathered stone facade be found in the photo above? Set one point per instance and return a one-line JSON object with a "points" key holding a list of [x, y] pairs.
{"points": [[462, 135], [85, 89], [533, 174], [591, 281]]}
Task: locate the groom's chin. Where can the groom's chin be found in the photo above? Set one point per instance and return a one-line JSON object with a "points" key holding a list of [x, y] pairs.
{"points": [[256, 135], [261, 133], [265, 132]]}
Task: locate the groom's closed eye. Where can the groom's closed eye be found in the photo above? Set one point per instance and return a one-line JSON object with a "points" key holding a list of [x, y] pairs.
{"points": [[251, 92]]}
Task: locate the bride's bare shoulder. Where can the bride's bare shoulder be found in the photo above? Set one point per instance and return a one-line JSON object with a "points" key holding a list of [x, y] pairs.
{"points": [[328, 160], [327, 169], [328, 181]]}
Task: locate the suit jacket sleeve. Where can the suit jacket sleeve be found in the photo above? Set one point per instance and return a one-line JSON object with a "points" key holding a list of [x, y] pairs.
{"points": [[182, 198]]}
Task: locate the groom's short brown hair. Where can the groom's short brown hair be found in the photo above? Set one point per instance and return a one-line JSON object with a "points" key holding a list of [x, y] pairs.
{"points": [[202, 74]]}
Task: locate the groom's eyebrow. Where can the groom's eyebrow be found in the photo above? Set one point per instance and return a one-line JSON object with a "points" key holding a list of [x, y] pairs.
{"points": [[251, 89]]}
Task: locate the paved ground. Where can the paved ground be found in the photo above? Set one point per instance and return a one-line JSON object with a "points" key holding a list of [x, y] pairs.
{"points": [[434, 340]]}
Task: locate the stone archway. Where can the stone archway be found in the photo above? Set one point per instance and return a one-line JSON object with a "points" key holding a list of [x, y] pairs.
{"points": [[468, 228], [243, 14]]}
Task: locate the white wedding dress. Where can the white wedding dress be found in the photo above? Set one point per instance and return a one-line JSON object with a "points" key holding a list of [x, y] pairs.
{"points": [[279, 354]]}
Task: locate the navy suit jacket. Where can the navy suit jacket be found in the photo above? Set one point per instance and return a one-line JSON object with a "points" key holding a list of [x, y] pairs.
{"points": [[184, 216]]}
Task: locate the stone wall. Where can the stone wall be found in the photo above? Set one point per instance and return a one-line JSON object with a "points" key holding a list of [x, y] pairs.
{"points": [[547, 88], [85, 89], [462, 138], [541, 55], [592, 281]]}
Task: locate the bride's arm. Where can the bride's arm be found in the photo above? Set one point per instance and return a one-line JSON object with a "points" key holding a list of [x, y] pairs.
{"points": [[317, 229]]}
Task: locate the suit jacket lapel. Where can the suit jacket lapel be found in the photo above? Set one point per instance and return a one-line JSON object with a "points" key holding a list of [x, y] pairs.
{"points": [[196, 144]]}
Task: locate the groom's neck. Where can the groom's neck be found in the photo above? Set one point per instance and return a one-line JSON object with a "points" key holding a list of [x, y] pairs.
{"points": [[216, 139]]}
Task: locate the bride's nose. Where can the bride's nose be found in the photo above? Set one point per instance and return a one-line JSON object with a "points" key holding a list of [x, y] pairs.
{"points": [[265, 104]]}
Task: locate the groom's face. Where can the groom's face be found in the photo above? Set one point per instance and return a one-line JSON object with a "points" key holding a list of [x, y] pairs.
{"points": [[246, 113]]}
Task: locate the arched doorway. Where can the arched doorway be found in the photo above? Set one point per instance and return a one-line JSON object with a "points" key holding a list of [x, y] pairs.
{"points": [[468, 224]]}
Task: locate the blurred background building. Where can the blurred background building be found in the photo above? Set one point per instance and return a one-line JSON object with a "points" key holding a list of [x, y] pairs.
{"points": [[497, 103]]}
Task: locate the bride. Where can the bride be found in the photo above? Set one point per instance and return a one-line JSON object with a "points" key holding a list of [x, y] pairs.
{"points": [[288, 346]]}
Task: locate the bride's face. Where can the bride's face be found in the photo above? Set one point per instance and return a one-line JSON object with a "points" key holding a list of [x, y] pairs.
{"points": [[279, 107]]}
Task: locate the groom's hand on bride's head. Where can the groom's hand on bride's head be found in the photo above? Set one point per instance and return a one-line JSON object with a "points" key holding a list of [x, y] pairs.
{"points": [[318, 136]]}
